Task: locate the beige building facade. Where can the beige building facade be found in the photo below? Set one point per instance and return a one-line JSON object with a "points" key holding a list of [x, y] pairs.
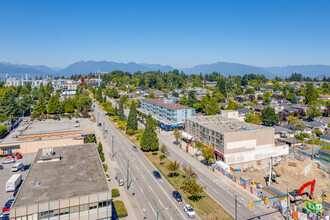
{"points": [[234, 141]]}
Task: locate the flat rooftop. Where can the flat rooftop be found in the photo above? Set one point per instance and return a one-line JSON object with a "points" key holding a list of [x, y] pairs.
{"points": [[78, 173], [172, 106], [45, 127], [225, 125]]}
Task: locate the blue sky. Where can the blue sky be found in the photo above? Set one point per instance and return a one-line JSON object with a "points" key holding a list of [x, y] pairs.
{"points": [[178, 33]]}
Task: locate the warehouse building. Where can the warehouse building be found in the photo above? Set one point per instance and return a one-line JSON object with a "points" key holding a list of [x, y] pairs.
{"points": [[234, 141], [64, 183], [168, 114], [29, 137]]}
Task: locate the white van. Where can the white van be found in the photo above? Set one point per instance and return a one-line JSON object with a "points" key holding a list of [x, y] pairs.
{"points": [[17, 167], [13, 182]]}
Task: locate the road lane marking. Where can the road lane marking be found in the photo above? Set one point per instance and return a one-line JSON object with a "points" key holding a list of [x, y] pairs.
{"points": [[143, 176], [152, 208], [151, 188], [160, 202], [141, 189]]}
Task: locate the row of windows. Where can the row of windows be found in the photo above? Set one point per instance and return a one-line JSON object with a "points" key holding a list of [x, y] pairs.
{"points": [[73, 209]]}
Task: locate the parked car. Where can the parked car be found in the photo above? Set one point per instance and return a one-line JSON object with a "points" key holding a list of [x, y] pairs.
{"points": [[16, 167], [99, 124], [302, 146], [7, 206], [176, 195], [1, 167], [134, 148], [19, 156], [26, 167], [157, 174], [10, 160], [4, 215], [189, 211]]}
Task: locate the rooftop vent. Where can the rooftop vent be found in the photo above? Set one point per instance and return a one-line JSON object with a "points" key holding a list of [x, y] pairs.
{"points": [[48, 155]]}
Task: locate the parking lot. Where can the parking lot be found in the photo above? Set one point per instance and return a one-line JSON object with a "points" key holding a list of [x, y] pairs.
{"points": [[6, 173]]}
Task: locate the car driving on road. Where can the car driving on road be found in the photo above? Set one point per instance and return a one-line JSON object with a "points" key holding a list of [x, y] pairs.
{"points": [[26, 167], [134, 148], [157, 174], [189, 211], [176, 195]]}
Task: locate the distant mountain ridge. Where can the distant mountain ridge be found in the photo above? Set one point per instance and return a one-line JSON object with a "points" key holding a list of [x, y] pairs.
{"points": [[224, 68]]}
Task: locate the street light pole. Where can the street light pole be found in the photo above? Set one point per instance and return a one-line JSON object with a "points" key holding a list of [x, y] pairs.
{"points": [[235, 207], [287, 199], [113, 138], [159, 211], [127, 174]]}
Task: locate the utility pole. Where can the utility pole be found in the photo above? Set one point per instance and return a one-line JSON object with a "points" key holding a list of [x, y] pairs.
{"points": [[127, 174], [235, 207], [113, 141], [287, 199]]}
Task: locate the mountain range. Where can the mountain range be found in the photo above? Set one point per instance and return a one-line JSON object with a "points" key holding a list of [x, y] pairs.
{"points": [[226, 69]]}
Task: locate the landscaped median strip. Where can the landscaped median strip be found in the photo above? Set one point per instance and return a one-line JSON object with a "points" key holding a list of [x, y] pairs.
{"points": [[206, 207]]}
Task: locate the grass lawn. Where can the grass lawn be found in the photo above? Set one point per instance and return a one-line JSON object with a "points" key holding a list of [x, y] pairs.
{"points": [[206, 207]]}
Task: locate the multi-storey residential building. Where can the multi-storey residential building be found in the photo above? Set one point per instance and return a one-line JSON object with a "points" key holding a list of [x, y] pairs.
{"points": [[234, 141], [168, 114]]}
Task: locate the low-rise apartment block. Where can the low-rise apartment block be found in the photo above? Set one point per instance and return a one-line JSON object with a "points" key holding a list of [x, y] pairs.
{"points": [[167, 113], [234, 141]]}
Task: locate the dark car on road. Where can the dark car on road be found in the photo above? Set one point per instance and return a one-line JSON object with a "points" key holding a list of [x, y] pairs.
{"points": [[176, 195], [157, 174], [134, 148], [99, 124], [26, 167]]}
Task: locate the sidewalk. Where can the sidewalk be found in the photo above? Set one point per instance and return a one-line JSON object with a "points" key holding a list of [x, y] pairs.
{"points": [[133, 209]]}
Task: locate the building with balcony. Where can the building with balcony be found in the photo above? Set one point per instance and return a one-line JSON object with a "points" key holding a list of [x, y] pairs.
{"points": [[167, 113], [234, 141]]}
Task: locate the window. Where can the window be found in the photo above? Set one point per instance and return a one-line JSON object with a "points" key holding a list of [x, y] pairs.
{"points": [[64, 211], [74, 209], [102, 204], [83, 207], [93, 205]]}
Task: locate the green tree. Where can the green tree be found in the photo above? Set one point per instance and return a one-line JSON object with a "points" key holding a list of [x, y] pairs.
{"points": [[268, 116], [191, 98], [208, 154], [314, 110], [163, 149], [310, 93], [84, 102], [161, 158], [253, 118], [231, 105], [25, 104], [173, 167], [190, 185], [177, 135], [53, 104], [8, 106], [132, 122], [121, 114], [149, 139], [212, 107], [183, 100], [221, 86], [198, 107], [40, 107], [69, 108], [175, 94]]}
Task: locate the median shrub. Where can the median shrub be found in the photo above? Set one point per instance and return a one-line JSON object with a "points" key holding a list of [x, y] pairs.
{"points": [[115, 193], [102, 157], [105, 167], [3, 129], [120, 208], [130, 132]]}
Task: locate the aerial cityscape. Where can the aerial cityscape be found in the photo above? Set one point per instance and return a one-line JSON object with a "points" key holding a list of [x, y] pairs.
{"points": [[165, 110]]}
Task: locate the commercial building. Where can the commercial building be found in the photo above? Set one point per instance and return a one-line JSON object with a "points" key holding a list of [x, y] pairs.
{"points": [[30, 136], [64, 183], [234, 141], [167, 113]]}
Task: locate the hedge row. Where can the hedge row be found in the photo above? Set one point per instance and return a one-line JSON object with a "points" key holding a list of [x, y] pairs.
{"points": [[120, 208]]}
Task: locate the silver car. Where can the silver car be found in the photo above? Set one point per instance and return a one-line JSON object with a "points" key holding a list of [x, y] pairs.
{"points": [[10, 160]]}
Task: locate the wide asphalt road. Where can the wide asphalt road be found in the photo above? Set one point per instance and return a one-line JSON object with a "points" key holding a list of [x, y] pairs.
{"points": [[150, 193]]}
